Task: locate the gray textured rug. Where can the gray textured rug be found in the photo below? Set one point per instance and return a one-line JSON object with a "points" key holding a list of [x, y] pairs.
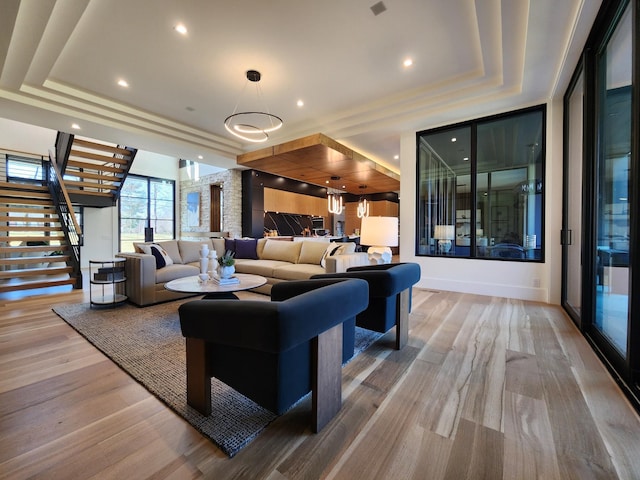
{"points": [[147, 344]]}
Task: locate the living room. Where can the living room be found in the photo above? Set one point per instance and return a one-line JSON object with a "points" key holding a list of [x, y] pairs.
{"points": [[530, 64]]}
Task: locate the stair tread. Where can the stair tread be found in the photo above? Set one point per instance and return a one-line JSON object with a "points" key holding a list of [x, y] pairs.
{"points": [[34, 284], [90, 166], [23, 186], [33, 248], [97, 157], [34, 259], [27, 228], [100, 146], [29, 272]]}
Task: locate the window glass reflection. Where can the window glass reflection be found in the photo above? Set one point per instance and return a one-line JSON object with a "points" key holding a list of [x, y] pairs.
{"points": [[481, 189]]}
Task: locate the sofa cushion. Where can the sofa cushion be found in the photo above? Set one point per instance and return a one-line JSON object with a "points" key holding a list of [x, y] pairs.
{"points": [[218, 246], [229, 245], [246, 248], [298, 271], [281, 250], [171, 247], [335, 248], [172, 272], [312, 252], [264, 268], [161, 256], [190, 250]]}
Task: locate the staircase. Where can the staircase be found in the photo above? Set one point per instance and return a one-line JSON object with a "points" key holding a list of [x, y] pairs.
{"points": [[93, 172], [33, 250]]}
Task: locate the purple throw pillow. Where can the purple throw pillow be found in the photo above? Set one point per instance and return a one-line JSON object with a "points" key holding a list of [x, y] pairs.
{"points": [[229, 246], [246, 248]]}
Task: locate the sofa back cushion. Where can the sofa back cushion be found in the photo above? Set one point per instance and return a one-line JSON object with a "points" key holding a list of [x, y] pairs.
{"points": [[282, 250], [171, 247], [312, 252], [190, 250], [218, 246]]}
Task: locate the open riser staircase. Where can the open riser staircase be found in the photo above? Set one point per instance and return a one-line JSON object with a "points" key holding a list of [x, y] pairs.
{"points": [[93, 172], [34, 252]]}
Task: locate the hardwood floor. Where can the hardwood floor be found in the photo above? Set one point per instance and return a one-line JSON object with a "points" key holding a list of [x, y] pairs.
{"points": [[486, 388]]}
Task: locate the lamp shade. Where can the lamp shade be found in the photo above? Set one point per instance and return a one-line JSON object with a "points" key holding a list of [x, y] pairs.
{"points": [[379, 231], [444, 232]]}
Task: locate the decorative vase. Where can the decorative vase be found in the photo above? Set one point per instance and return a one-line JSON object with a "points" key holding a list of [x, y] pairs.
{"points": [[213, 263], [204, 264], [226, 272]]}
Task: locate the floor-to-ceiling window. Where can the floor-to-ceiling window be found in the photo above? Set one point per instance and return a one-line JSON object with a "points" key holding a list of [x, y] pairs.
{"points": [[613, 114], [481, 190], [146, 202], [602, 176]]}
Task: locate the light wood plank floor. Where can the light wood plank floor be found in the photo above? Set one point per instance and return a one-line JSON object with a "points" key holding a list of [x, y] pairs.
{"points": [[487, 388]]}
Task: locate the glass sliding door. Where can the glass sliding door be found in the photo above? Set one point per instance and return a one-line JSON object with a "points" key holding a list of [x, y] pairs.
{"points": [[573, 204], [612, 226]]}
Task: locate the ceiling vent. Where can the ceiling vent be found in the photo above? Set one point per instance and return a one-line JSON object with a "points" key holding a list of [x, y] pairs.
{"points": [[378, 8]]}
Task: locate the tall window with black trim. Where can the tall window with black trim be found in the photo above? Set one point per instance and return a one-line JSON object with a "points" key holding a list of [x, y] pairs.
{"points": [[146, 202], [480, 188]]}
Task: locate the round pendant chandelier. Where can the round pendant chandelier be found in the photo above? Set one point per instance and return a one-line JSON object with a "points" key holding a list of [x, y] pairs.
{"points": [[252, 125]]}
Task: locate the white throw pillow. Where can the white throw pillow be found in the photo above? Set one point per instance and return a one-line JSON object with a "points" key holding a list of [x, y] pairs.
{"points": [[333, 248], [147, 250]]}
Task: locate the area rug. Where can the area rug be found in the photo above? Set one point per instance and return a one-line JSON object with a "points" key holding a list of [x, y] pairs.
{"points": [[148, 345]]}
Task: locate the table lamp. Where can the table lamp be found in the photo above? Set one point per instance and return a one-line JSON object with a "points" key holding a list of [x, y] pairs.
{"points": [[444, 234], [379, 233]]}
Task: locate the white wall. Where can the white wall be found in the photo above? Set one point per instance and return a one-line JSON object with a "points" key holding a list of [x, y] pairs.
{"points": [[485, 277]]}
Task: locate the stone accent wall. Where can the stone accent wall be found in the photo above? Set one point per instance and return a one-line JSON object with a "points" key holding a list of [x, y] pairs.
{"points": [[231, 183]]}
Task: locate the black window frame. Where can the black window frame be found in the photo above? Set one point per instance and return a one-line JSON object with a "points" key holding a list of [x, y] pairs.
{"points": [[149, 181], [473, 125]]}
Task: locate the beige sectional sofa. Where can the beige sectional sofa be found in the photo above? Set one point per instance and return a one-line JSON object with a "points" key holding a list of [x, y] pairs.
{"points": [[276, 260]]}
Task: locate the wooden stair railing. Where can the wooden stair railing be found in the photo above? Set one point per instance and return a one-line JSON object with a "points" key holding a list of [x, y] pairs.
{"points": [[67, 216]]}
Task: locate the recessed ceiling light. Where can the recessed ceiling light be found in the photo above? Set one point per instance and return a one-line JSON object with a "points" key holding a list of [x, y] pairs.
{"points": [[181, 29], [408, 62], [75, 126], [123, 83], [200, 157], [300, 103], [454, 139], [396, 157], [465, 159]]}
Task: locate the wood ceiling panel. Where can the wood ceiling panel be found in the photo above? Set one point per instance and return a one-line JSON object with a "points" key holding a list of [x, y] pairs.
{"points": [[316, 158]]}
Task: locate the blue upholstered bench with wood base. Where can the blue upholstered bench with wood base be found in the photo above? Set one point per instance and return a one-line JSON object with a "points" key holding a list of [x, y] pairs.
{"points": [[389, 296], [274, 352]]}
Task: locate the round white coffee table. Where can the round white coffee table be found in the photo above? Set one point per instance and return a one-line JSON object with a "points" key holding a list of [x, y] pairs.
{"points": [[194, 285]]}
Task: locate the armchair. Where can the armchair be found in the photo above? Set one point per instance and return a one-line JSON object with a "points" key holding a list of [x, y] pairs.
{"points": [[389, 296], [273, 352]]}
